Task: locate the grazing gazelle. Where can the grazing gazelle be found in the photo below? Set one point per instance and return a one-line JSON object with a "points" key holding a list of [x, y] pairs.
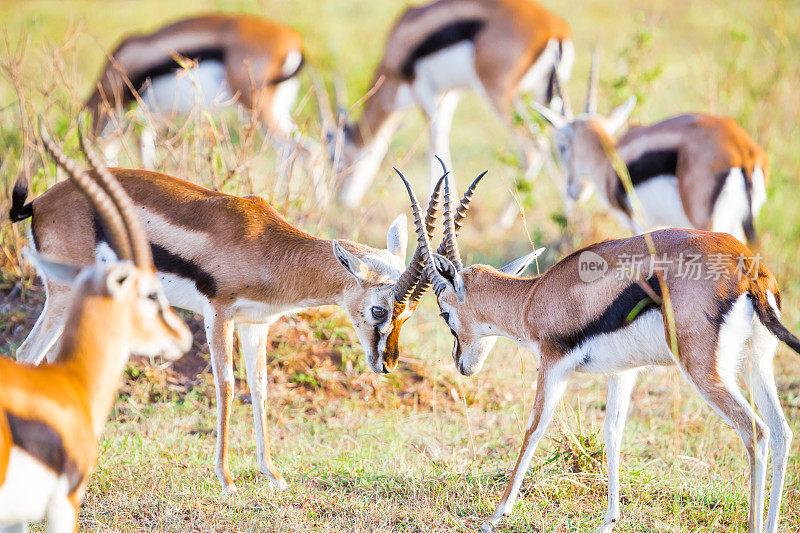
{"points": [[240, 264], [497, 48], [51, 416], [691, 171], [602, 310], [244, 58]]}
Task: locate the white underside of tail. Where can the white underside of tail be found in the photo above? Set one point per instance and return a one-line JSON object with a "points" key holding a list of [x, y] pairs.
{"points": [[732, 206]]}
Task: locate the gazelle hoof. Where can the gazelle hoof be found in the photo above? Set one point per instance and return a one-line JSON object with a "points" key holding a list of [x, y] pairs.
{"points": [[278, 485], [487, 527]]}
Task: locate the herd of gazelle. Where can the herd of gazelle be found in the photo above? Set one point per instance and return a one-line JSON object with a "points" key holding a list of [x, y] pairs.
{"points": [[147, 241]]}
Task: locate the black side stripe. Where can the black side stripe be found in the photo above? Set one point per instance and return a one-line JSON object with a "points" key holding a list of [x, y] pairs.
{"points": [[169, 65], [614, 317], [44, 444], [647, 166], [170, 263], [455, 32]]}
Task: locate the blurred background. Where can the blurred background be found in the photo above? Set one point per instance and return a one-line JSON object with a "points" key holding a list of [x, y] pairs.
{"points": [[422, 449]]}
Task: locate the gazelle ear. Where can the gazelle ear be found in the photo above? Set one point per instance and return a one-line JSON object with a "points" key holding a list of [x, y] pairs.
{"points": [[397, 237], [518, 266], [620, 115], [448, 271], [351, 263], [118, 277], [47, 268], [554, 119]]}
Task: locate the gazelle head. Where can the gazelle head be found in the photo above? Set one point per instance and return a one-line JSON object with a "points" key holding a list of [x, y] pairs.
{"points": [[385, 296], [126, 294], [583, 142], [463, 294]]}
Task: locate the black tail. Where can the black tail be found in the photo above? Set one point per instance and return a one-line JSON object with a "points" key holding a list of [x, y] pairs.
{"points": [[750, 231], [19, 209], [770, 319]]}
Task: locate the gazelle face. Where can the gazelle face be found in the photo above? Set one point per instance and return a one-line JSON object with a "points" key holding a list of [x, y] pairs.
{"points": [[370, 302]]}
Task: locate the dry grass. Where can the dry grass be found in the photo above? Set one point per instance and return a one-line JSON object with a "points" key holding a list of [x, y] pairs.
{"points": [[422, 449]]}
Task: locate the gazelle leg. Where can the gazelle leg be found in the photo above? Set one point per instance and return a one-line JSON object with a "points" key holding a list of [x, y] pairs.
{"points": [[727, 400], [619, 395], [62, 516], [219, 333], [43, 338], [551, 384], [147, 147], [762, 382], [253, 338], [441, 125]]}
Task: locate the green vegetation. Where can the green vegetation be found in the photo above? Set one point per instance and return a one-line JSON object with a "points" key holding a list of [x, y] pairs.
{"points": [[423, 449]]}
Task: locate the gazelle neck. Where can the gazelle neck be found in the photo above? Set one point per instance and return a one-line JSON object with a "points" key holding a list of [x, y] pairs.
{"points": [[93, 351]]}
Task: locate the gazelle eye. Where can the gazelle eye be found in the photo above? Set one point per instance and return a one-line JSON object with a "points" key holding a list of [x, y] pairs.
{"points": [[153, 296], [445, 316], [378, 313]]}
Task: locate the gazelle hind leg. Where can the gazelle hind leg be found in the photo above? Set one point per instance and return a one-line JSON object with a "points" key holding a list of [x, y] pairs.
{"points": [[619, 395], [219, 333], [43, 338], [62, 516], [253, 339], [551, 384], [760, 376]]}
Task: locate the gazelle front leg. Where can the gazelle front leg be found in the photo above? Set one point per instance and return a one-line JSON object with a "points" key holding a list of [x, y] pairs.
{"points": [[551, 384], [219, 333], [619, 395], [253, 338]]}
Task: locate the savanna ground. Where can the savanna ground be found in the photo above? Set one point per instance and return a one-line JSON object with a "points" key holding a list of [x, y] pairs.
{"points": [[422, 449]]}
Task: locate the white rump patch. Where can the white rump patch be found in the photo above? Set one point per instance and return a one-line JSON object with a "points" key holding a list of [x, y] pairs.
{"points": [[732, 206], [735, 331], [642, 343], [758, 195], [661, 203], [204, 86], [28, 490], [283, 103], [292, 62], [537, 78]]}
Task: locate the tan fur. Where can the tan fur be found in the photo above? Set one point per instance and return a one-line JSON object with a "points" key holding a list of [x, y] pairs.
{"points": [[515, 34], [255, 50]]}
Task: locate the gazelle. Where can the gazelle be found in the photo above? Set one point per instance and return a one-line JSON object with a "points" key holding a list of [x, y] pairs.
{"points": [[240, 264], [497, 48], [244, 58], [596, 311], [691, 171], [51, 416]]}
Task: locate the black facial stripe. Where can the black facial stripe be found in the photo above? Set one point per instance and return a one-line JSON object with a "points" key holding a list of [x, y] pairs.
{"points": [[613, 318], [448, 35], [647, 166], [44, 443]]}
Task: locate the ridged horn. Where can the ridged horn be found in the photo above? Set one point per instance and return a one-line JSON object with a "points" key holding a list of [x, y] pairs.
{"points": [[409, 279], [106, 208], [591, 90], [423, 242], [450, 245], [562, 93], [140, 244], [458, 222]]}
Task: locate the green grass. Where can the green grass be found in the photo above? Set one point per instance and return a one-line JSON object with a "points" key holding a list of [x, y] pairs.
{"points": [[359, 454]]}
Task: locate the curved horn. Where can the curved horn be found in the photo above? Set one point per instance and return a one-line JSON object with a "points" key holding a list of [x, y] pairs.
{"points": [[458, 222], [140, 245], [100, 200], [410, 278], [565, 103], [449, 241], [423, 242], [591, 91]]}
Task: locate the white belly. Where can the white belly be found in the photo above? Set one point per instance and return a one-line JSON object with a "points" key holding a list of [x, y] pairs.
{"points": [[183, 293], [202, 87], [29, 489], [642, 343], [661, 203], [449, 68]]}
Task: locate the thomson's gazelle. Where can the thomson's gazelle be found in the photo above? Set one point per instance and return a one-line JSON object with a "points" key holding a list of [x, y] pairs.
{"points": [[690, 171], [51, 416], [241, 265], [251, 60], [496, 48], [601, 310]]}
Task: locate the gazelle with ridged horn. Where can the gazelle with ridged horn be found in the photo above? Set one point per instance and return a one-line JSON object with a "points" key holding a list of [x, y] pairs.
{"points": [[241, 265], [246, 59], [499, 49], [621, 305], [691, 171], [51, 416]]}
